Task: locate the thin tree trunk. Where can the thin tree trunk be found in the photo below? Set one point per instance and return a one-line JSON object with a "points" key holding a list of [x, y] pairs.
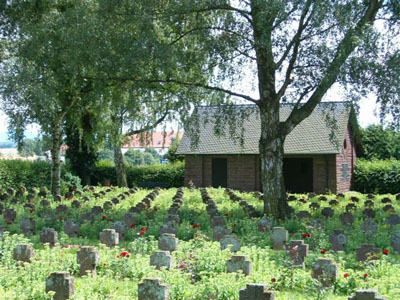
{"points": [[55, 160], [120, 166], [271, 156]]}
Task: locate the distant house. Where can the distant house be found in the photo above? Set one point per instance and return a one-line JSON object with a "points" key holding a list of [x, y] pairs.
{"points": [[157, 140], [313, 160]]}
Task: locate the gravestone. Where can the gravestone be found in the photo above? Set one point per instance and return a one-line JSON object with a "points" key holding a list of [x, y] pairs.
{"points": [[369, 213], [395, 241], [230, 240], [129, 219], [109, 237], [23, 252], [87, 217], [108, 205], [264, 224], [62, 283], [327, 212], [297, 251], [71, 228], [388, 208], [161, 259], [115, 201], [333, 202], [45, 203], [367, 251], [255, 291], [217, 221], [386, 200], [393, 220], [121, 228], [347, 219], [303, 215], [9, 215], [62, 209], [88, 258], [169, 227], [369, 227], [369, 203], [96, 210], [279, 237], [367, 295], [325, 270], [314, 206], [27, 226], [350, 207], [49, 235], [167, 242], [153, 289], [239, 262], [338, 239], [76, 204], [219, 232], [173, 218]]}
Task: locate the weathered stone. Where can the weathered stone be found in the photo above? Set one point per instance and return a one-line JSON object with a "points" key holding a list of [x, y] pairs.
{"points": [[355, 199], [168, 242], [9, 215], [23, 252], [314, 206], [87, 217], [367, 252], [218, 221], [264, 224], [369, 213], [121, 228], [333, 202], [338, 239], [279, 237], [27, 226], [327, 212], [76, 204], [153, 289], [88, 258], [325, 270], [108, 205], [347, 219], [161, 259], [256, 292], [62, 209], [369, 203], [386, 200], [96, 210], [62, 283], [369, 227], [297, 251], [169, 227], [393, 220], [71, 228], [109, 237], [395, 241], [45, 203], [367, 295], [239, 262], [389, 208], [230, 240], [57, 198], [129, 219], [49, 235], [173, 218], [350, 207], [115, 201], [219, 232]]}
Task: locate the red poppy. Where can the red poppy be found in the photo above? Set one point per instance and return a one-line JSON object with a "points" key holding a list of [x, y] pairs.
{"points": [[111, 219], [155, 208], [133, 226], [323, 251], [196, 226], [273, 279], [103, 217], [128, 255], [9, 223], [365, 275], [31, 211], [182, 266], [69, 198], [124, 253], [226, 215], [234, 225], [104, 265], [385, 251], [346, 275], [306, 235], [141, 233], [143, 229]]}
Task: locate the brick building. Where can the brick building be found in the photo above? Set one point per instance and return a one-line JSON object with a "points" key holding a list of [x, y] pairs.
{"points": [[320, 153]]}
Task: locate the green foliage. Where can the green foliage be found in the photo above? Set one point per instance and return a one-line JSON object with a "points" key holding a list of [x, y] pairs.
{"points": [[377, 176], [170, 175], [17, 172], [171, 154], [140, 158], [105, 154], [380, 143]]}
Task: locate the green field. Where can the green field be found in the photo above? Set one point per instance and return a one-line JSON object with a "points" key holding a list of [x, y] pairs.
{"points": [[199, 267]]}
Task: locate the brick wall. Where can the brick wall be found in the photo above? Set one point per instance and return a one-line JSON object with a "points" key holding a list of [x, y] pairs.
{"points": [[324, 165], [346, 157], [194, 170]]}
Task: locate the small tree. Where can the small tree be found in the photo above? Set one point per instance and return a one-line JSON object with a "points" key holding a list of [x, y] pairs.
{"points": [[173, 148]]}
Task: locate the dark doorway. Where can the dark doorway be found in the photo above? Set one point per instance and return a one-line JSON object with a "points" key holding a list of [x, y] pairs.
{"points": [[219, 172], [298, 173]]}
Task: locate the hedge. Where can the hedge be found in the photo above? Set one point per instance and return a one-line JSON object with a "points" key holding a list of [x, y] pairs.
{"points": [[377, 176], [164, 175]]}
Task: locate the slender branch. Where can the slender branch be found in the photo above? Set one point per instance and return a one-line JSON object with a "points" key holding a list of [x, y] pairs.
{"points": [[147, 127]]}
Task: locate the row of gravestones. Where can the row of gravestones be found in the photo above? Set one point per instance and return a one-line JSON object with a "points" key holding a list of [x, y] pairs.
{"points": [[62, 283], [247, 208]]}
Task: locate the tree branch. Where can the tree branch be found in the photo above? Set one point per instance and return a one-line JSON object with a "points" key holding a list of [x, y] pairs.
{"points": [[147, 127]]}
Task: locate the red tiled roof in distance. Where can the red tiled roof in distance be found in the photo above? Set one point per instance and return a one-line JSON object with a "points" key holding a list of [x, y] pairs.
{"points": [[152, 140]]}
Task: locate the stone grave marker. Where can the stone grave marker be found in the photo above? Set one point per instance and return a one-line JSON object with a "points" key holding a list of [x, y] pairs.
{"points": [[279, 237], [388, 208], [256, 292], [49, 235], [168, 242], [109, 237], [108, 205], [369, 227], [239, 262], [386, 200], [129, 219], [173, 218], [347, 219], [71, 228], [169, 227], [314, 206], [325, 270], [62, 209], [264, 224], [121, 228], [395, 241], [393, 220], [327, 212], [88, 258], [115, 201], [350, 207], [297, 251], [369, 203], [96, 210], [161, 259], [217, 221], [76, 204], [45, 203], [228, 240], [219, 232], [23, 252], [27, 226], [303, 215], [333, 202], [369, 213], [9, 215], [153, 289], [367, 295], [87, 217], [338, 239], [367, 251], [62, 283]]}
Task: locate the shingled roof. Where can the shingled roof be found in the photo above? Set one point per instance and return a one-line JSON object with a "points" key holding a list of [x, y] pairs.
{"points": [[312, 136]]}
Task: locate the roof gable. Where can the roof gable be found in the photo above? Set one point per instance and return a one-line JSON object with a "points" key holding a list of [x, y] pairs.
{"points": [[312, 136]]}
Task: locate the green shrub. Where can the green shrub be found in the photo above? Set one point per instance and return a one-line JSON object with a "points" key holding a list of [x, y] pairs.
{"points": [[169, 175], [377, 176], [18, 172]]}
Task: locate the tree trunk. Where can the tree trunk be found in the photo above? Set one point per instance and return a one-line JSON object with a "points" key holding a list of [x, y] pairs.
{"points": [[271, 156], [55, 160], [120, 166]]}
